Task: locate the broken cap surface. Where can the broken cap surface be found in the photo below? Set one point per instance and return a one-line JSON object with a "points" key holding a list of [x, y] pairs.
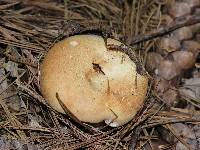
{"points": [[94, 83]]}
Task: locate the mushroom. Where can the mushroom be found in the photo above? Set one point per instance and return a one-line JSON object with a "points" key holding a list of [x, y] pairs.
{"points": [[94, 83]]}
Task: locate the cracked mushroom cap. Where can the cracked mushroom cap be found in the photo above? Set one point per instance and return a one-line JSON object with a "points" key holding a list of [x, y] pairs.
{"points": [[94, 83]]}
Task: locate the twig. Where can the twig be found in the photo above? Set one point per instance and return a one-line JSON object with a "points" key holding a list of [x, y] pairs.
{"points": [[41, 129], [22, 60], [66, 14], [134, 137], [179, 23], [28, 46], [178, 136]]}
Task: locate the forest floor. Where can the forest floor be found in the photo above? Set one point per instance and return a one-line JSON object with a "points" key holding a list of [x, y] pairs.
{"points": [[165, 34]]}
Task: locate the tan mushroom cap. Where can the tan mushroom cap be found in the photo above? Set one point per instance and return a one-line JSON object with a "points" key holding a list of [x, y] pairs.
{"points": [[94, 83]]}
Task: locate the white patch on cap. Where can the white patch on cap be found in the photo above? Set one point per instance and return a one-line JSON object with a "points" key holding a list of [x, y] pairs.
{"points": [[111, 123], [73, 43]]}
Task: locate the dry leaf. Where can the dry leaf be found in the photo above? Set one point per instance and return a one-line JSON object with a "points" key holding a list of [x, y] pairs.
{"points": [[191, 88], [187, 134], [170, 97], [179, 9], [184, 59], [184, 33], [153, 60], [168, 69], [170, 44]]}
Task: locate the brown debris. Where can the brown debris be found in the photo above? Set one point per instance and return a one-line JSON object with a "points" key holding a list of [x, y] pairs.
{"points": [[170, 44], [191, 88], [168, 69], [184, 59], [167, 19], [192, 3], [170, 97], [192, 46], [181, 46], [161, 85], [153, 60], [188, 136], [179, 9], [184, 33]]}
